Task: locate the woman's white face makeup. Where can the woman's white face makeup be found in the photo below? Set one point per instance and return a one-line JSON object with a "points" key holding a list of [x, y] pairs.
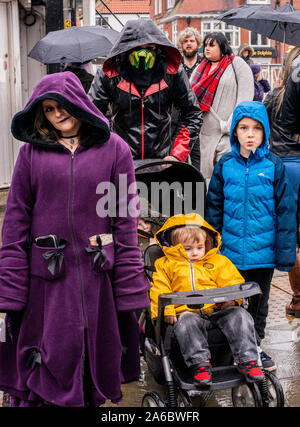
{"points": [[60, 118]]}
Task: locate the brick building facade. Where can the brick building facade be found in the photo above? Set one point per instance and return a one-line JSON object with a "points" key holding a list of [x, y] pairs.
{"points": [[172, 16]]}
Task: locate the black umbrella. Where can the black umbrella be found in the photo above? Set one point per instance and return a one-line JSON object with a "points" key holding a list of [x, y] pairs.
{"points": [[282, 24], [75, 44]]}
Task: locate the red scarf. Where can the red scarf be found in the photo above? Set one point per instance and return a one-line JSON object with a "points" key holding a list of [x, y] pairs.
{"points": [[205, 83]]}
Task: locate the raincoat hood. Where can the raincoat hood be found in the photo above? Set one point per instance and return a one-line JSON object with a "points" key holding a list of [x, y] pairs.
{"points": [[136, 33], [244, 47], [66, 89], [176, 273], [213, 239], [255, 69], [256, 111]]}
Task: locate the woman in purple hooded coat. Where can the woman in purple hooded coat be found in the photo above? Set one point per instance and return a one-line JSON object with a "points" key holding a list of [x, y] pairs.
{"points": [[71, 331]]}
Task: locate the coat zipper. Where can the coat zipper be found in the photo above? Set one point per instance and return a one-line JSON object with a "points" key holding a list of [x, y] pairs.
{"points": [[191, 271], [142, 106], [74, 240], [245, 214], [78, 265]]}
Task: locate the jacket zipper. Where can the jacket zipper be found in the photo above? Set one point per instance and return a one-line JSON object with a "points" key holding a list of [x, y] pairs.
{"points": [[74, 240], [191, 271], [245, 214], [142, 107], [78, 265]]}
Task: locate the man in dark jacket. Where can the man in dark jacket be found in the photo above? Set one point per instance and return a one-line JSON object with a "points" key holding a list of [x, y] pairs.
{"points": [[291, 100], [189, 41], [140, 81]]}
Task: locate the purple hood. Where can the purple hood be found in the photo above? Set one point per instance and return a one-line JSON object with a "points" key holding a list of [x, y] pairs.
{"points": [[76, 302], [66, 89]]}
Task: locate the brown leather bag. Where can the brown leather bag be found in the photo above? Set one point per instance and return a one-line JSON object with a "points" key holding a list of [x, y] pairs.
{"points": [[294, 275], [293, 307]]}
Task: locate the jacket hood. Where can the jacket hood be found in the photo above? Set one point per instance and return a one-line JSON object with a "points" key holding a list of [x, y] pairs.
{"points": [[256, 111], [213, 239], [255, 69], [136, 33], [66, 89], [243, 47]]}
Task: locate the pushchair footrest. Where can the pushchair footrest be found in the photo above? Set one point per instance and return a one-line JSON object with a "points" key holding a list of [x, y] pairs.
{"points": [[223, 377]]}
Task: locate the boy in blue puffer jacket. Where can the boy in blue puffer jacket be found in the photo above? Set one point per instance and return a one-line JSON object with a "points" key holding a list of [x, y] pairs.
{"points": [[250, 202]]}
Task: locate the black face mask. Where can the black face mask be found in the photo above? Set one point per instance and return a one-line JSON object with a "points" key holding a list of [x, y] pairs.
{"points": [[140, 76], [142, 59]]}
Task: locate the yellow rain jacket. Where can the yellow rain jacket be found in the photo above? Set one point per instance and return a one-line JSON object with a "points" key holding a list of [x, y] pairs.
{"points": [[176, 273]]}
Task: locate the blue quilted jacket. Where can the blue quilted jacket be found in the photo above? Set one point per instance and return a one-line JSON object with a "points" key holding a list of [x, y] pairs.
{"points": [[251, 204]]}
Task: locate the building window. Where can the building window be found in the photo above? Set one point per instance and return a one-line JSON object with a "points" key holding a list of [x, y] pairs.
{"points": [[102, 21], [159, 6], [174, 32], [170, 4], [155, 7], [231, 32], [258, 39]]}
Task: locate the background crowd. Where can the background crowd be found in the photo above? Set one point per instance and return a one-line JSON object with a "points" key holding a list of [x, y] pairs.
{"points": [[149, 100]]}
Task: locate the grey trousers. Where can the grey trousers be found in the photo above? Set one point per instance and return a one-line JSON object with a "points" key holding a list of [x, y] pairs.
{"points": [[235, 323]]}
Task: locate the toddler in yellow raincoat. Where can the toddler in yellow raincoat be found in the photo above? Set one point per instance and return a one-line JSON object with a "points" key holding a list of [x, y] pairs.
{"points": [[192, 262]]}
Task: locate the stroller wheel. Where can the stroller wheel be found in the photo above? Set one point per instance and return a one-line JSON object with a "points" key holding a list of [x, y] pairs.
{"points": [[246, 395], [275, 391], [152, 399]]}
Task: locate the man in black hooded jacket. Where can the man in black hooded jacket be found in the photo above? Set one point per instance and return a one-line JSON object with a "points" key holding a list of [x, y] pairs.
{"points": [[291, 99], [140, 81]]}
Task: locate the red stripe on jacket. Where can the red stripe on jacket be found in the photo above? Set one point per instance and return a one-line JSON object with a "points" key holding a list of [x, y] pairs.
{"points": [[181, 147]]}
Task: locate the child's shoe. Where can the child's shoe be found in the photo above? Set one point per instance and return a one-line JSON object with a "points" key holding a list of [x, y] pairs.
{"points": [[251, 371], [202, 374], [267, 362]]}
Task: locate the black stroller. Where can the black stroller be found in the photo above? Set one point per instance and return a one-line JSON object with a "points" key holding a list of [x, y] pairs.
{"points": [[158, 345]]}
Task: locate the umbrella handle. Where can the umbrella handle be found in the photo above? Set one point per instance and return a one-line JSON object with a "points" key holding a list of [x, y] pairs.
{"points": [[282, 65]]}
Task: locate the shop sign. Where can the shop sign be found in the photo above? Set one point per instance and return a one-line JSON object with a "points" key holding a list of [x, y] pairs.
{"points": [[266, 52]]}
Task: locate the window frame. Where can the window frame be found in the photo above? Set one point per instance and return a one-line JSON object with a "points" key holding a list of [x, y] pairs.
{"points": [[234, 30], [259, 36]]}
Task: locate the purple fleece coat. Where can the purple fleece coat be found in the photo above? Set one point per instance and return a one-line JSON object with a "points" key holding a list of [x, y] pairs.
{"points": [[55, 192]]}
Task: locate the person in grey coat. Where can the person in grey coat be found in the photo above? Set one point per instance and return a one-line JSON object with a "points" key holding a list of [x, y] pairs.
{"points": [[221, 81]]}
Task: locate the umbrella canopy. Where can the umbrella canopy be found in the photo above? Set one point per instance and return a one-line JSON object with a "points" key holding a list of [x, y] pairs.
{"points": [[75, 44], [282, 24]]}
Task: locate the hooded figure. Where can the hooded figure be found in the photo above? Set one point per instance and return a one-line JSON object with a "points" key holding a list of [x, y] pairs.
{"points": [[261, 86], [69, 303], [175, 273], [246, 51], [141, 80], [83, 70], [250, 203]]}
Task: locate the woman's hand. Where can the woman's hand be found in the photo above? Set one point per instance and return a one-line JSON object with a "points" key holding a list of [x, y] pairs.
{"points": [[171, 320]]}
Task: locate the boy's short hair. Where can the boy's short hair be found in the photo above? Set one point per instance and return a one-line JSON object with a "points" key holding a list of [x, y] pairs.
{"points": [[182, 234]]}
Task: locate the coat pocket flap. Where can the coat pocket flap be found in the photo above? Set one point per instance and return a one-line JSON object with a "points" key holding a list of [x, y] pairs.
{"points": [[47, 263]]}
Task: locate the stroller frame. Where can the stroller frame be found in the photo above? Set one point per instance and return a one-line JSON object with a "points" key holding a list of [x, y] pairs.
{"points": [[267, 392], [223, 377]]}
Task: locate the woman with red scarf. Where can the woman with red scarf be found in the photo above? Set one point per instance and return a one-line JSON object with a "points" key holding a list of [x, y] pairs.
{"points": [[221, 81]]}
